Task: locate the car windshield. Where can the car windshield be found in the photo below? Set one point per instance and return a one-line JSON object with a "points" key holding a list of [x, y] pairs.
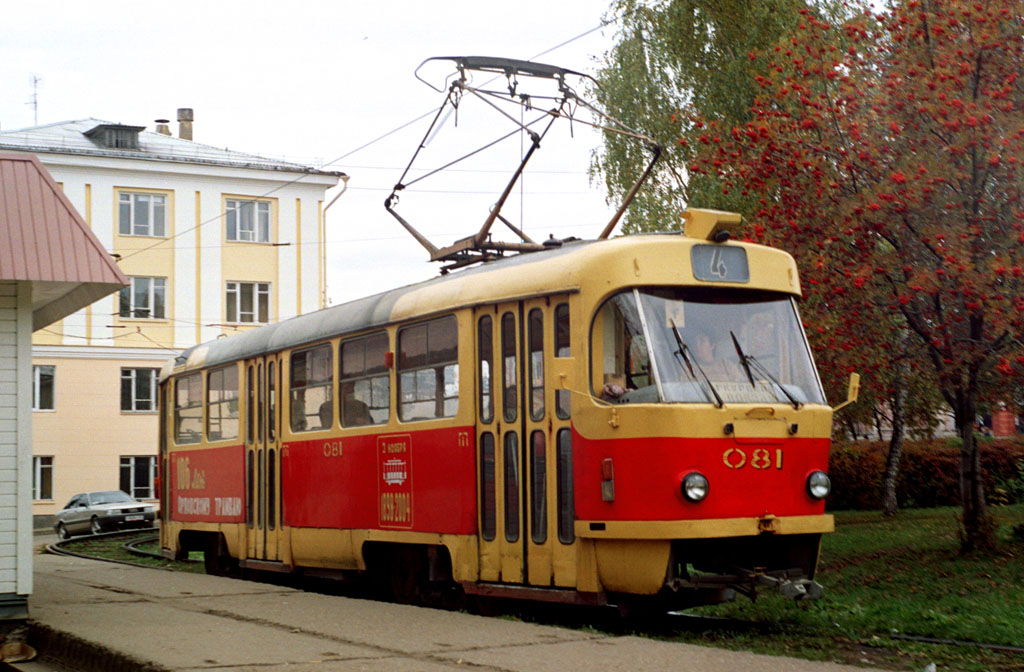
{"points": [[109, 497], [692, 345]]}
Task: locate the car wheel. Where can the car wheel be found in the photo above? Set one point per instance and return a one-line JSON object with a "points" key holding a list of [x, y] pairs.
{"points": [[95, 526], [62, 532]]}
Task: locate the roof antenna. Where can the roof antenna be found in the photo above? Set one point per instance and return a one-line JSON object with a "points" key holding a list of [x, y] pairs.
{"points": [[34, 102]]}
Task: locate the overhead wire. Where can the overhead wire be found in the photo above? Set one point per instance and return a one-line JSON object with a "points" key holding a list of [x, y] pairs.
{"points": [[403, 126]]}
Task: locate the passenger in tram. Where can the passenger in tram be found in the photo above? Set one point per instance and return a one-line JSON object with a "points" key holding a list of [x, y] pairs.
{"points": [[714, 360], [354, 412]]}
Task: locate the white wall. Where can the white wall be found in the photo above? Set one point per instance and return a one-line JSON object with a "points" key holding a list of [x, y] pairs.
{"points": [[15, 439]]}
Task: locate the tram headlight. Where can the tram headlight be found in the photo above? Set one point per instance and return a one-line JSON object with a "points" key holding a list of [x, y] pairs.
{"points": [[819, 485], [695, 486]]}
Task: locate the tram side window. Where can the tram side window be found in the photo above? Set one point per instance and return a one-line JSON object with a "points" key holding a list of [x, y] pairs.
{"points": [[536, 340], [271, 401], [619, 337], [188, 409], [428, 370], [509, 367], [365, 385], [222, 404], [312, 378], [562, 349], [485, 355], [565, 495]]}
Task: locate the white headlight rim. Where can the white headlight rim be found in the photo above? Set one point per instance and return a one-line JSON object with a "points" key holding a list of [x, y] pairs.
{"points": [[695, 486], [819, 485]]}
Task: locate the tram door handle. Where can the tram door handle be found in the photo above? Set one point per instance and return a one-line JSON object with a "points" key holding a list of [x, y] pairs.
{"points": [[561, 369]]}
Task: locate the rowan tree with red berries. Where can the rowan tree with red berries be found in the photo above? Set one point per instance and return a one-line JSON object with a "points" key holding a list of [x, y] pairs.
{"points": [[892, 167]]}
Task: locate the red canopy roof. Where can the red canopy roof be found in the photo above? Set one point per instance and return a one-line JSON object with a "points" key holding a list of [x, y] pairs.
{"points": [[44, 240]]}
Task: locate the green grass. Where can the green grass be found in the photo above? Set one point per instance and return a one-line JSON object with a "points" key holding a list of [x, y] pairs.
{"points": [[110, 548], [904, 576]]}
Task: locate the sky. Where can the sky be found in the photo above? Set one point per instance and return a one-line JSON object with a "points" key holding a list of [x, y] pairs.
{"points": [[312, 81]]}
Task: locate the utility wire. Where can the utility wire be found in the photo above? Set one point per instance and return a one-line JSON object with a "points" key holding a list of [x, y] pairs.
{"points": [[350, 153]]}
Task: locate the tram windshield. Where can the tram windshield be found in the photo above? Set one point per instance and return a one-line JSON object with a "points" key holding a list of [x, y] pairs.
{"points": [[690, 345]]}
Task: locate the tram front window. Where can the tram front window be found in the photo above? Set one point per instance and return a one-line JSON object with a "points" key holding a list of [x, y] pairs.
{"points": [[691, 345]]}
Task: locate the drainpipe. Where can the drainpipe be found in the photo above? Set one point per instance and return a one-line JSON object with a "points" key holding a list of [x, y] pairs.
{"points": [[323, 238]]}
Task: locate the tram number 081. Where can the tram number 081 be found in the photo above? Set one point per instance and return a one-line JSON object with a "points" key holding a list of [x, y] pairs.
{"points": [[759, 458], [395, 508]]}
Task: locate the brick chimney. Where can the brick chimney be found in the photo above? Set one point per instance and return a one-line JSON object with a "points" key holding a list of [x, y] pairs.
{"points": [[185, 119], [161, 126]]}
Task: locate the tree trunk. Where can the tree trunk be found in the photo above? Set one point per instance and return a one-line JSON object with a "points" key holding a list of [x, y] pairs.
{"points": [[977, 533], [892, 462]]}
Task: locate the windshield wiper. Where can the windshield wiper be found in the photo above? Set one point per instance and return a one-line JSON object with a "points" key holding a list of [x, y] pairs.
{"points": [[743, 359], [747, 360], [682, 351]]}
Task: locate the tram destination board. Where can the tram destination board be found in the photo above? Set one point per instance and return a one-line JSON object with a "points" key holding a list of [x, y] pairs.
{"points": [[718, 263]]}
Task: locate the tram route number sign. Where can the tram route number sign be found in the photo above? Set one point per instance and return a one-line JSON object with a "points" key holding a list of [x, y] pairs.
{"points": [[394, 469], [719, 263]]}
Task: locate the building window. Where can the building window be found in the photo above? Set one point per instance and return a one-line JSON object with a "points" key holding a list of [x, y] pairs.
{"points": [[137, 475], [138, 389], [43, 388], [428, 370], [248, 221], [42, 478], [248, 302], [144, 298], [142, 214]]}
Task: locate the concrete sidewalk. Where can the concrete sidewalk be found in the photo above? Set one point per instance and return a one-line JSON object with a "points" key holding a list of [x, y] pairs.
{"points": [[93, 615]]}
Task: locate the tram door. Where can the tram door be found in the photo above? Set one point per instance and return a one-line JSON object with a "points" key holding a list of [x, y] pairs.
{"points": [[263, 458], [517, 430]]}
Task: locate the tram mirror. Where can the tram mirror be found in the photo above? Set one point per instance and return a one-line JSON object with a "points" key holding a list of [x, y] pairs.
{"points": [[561, 370], [852, 391]]}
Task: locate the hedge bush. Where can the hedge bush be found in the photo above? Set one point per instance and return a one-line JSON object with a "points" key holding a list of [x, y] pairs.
{"points": [[929, 473]]}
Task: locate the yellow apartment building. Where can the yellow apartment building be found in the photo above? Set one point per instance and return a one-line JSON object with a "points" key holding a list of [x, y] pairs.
{"points": [[212, 241]]}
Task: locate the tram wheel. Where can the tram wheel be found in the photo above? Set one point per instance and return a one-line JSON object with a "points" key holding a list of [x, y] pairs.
{"points": [[408, 573], [217, 560]]}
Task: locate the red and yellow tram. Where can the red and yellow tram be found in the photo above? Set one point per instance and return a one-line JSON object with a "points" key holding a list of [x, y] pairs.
{"points": [[625, 420]]}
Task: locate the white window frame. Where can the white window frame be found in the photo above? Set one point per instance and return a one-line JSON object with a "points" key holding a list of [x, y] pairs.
{"points": [[37, 370], [257, 291], [38, 467], [131, 375], [153, 204], [147, 491], [247, 220], [151, 293]]}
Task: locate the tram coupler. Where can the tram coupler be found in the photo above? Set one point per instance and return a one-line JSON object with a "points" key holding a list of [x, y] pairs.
{"points": [[791, 583], [795, 589]]}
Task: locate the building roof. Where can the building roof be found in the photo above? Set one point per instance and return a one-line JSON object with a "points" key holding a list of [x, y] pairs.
{"points": [[45, 241], [72, 137]]}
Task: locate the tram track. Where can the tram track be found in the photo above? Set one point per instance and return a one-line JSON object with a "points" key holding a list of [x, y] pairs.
{"points": [[607, 619]]}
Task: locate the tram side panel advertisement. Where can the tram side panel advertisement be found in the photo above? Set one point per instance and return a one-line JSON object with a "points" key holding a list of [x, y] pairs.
{"points": [[208, 485]]}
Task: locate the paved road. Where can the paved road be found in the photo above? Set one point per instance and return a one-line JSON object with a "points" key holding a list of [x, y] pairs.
{"points": [[193, 623]]}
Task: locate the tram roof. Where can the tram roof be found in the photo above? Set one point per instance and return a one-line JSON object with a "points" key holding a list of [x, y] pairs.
{"points": [[495, 281]]}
